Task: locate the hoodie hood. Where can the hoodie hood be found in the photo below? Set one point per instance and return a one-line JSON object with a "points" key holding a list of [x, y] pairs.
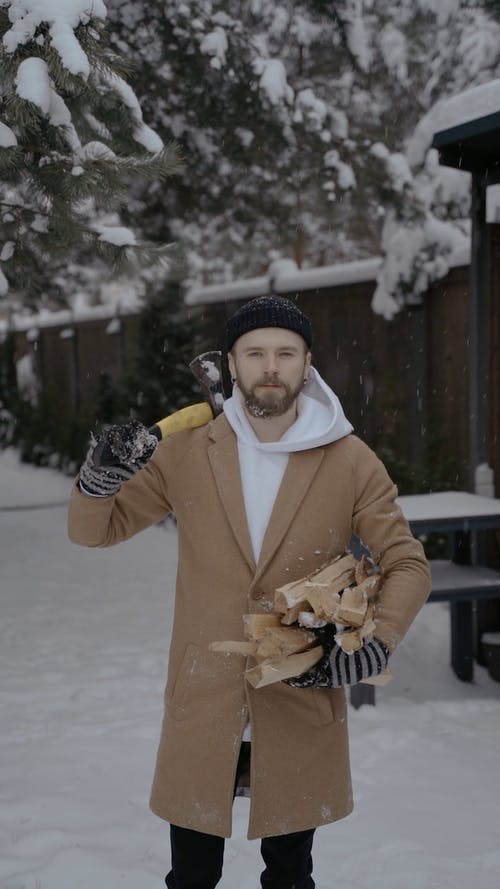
{"points": [[320, 419]]}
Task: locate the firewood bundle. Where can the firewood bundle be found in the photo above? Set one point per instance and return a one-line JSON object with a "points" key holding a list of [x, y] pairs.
{"points": [[283, 642]]}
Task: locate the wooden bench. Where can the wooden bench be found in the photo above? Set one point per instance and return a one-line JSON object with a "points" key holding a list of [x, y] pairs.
{"points": [[461, 586]]}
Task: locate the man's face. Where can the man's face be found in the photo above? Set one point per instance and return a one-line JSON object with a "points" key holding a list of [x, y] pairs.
{"points": [[269, 365]]}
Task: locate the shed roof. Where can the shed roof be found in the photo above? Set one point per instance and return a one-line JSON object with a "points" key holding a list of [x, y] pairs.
{"points": [[473, 146]]}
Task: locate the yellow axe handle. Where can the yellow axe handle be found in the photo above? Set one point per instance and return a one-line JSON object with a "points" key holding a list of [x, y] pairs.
{"points": [[187, 418]]}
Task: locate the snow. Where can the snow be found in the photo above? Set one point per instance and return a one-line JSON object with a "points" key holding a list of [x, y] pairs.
{"points": [[143, 134], [96, 151], [7, 251], [62, 16], [309, 106], [273, 81], [83, 648], [447, 113], [4, 286], [356, 34], [26, 378], [215, 45], [117, 235], [283, 279], [336, 275], [416, 256], [394, 52], [123, 303], [114, 326], [448, 504], [8, 138], [33, 83]]}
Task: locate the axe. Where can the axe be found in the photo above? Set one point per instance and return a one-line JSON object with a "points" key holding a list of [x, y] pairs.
{"points": [[207, 369]]}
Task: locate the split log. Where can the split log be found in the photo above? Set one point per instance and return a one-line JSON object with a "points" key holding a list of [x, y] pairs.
{"points": [[371, 585], [352, 607], [291, 594], [254, 625], [293, 614], [324, 600], [247, 649], [318, 589], [349, 640], [337, 567], [278, 642], [285, 668], [343, 593]]}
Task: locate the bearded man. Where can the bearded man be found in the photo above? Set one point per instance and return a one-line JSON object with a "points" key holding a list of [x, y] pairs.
{"points": [[268, 492]]}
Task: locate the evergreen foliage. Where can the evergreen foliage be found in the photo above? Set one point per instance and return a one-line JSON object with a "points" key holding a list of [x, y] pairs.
{"points": [[159, 381], [294, 121], [71, 139]]}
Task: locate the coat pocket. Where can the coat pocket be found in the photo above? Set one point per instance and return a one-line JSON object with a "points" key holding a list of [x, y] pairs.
{"points": [[180, 692], [330, 704]]}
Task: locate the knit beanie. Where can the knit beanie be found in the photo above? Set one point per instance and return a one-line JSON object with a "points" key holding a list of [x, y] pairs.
{"points": [[267, 311]]}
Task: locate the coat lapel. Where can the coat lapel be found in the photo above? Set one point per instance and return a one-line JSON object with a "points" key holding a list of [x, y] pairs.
{"points": [[223, 457], [300, 471]]}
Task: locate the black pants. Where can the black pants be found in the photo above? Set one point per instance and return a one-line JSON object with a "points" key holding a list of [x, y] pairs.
{"points": [[197, 860]]}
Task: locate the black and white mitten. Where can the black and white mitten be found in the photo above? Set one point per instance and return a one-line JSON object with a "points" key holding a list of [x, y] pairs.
{"points": [[337, 668], [114, 456]]}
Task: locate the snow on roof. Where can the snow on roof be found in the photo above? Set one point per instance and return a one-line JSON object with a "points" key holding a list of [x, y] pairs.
{"points": [[303, 279], [462, 108]]}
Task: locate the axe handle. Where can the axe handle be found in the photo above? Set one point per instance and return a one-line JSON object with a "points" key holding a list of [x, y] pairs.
{"points": [[188, 418]]}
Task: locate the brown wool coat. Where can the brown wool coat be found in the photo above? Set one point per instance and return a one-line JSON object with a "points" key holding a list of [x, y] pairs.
{"points": [[300, 775]]}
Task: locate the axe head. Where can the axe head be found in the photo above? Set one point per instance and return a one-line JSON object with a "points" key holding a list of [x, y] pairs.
{"points": [[207, 368]]}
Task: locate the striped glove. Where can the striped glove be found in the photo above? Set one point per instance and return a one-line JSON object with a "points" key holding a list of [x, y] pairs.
{"points": [[337, 668], [114, 457]]}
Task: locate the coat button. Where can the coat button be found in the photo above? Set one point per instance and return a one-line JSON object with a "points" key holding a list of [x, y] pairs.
{"points": [[257, 594]]}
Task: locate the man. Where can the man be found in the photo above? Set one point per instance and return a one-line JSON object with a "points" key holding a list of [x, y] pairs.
{"points": [[266, 493]]}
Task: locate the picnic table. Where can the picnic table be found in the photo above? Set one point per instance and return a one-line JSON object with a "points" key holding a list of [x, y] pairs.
{"points": [[455, 580]]}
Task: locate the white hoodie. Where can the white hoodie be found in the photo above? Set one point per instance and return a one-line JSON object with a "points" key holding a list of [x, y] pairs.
{"points": [[320, 421]]}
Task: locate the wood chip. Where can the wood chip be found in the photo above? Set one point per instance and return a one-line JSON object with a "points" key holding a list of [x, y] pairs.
{"points": [[254, 625]]}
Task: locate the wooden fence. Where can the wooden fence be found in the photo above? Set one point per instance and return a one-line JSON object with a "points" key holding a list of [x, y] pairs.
{"points": [[403, 383]]}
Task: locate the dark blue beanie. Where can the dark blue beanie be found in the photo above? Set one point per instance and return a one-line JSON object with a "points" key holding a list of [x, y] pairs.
{"points": [[268, 311]]}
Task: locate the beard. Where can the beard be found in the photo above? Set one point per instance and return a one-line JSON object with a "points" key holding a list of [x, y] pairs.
{"points": [[272, 403]]}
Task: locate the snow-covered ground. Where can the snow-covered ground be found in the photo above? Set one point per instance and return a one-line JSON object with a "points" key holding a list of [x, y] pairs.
{"points": [[83, 646]]}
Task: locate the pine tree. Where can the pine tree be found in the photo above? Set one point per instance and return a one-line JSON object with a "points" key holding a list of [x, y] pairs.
{"points": [[314, 169], [169, 337], [262, 130], [71, 137]]}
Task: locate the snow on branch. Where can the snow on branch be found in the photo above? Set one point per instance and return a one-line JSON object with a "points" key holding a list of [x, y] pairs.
{"points": [[273, 80], [117, 235], [8, 138], [142, 133], [62, 17], [33, 84]]}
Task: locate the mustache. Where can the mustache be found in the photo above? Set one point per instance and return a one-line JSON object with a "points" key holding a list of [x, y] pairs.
{"points": [[273, 381]]}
